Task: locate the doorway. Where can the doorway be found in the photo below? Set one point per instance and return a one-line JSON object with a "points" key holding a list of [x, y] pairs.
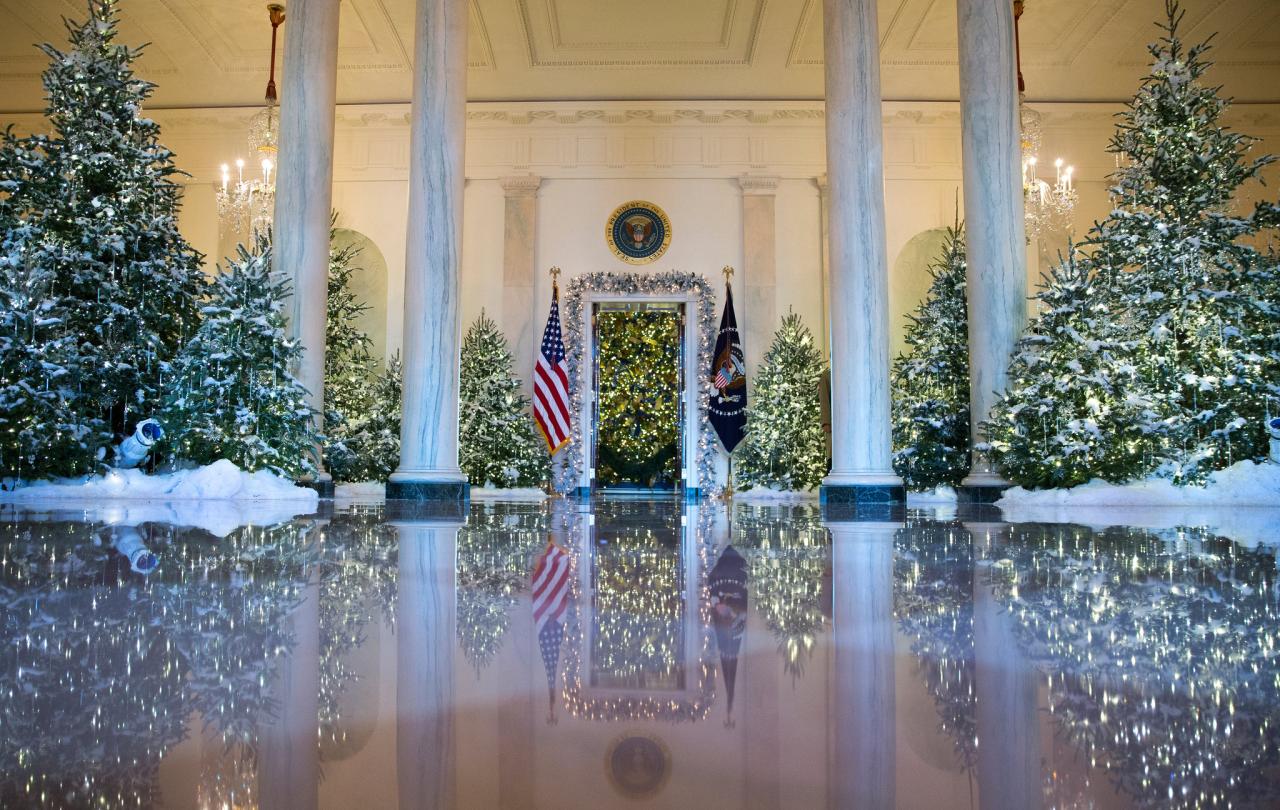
{"points": [[639, 365]]}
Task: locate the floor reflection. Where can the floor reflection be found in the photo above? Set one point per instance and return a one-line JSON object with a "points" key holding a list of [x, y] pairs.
{"points": [[575, 654]]}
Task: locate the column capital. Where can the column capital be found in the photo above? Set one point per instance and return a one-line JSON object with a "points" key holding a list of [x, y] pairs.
{"points": [[758, 185], [521, 185], [824, 185]]}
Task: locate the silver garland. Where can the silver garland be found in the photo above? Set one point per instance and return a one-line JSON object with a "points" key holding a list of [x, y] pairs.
{"points": [[668, 283]]}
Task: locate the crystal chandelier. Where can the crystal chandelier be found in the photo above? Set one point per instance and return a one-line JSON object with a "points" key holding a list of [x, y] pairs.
{"points": [[1049, 209], [246, 205]]}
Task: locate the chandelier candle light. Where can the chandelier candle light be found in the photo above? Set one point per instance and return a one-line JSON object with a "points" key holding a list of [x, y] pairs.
{"points": [[246, 207], [1048, 209]]}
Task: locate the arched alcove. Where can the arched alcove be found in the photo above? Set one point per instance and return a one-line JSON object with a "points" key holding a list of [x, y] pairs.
{"points": [[909, 281], [369, 284]]}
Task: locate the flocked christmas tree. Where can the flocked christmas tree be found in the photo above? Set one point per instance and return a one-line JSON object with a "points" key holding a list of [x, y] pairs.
{"points": [[931, 379], [1199, 297], [233, 394], [41, 432], [99, 199], [497, 445], [359, 404], [1069, 413], [785, 446], [1181, 389]]}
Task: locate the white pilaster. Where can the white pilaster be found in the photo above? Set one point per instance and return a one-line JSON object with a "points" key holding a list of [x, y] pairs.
{"points": [[758, 281], [860, 440], [304, 181], [994, 228], [519, 275], [429, 430]]}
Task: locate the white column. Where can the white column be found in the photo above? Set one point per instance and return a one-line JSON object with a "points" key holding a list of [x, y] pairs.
{"points": [[994, 228], [304, 180], [429, 429], [426, 598], [758, 282], [860, 441], [289, 756], [519, 274], [1008, 721], [864, 767]]}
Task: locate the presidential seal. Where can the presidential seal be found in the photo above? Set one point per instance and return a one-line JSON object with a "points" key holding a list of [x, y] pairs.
{"points": [[638, 232], [638, 765]]}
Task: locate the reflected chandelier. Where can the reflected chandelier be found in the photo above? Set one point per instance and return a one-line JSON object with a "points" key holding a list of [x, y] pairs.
{"points": [[246, 206], [1049, 209]]}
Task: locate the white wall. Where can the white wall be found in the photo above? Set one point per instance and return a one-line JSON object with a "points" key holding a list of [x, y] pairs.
{"points": [[684, 156]]}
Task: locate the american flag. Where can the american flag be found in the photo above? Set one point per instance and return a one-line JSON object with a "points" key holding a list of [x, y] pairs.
{"points": [[551, 383], [552, 577]]}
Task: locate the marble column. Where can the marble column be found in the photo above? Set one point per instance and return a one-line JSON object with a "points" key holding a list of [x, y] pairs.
{"points": [[429, 429], [1008, 722], [426, 604], [824, 234], [288, 754], [519, 272], [994, 227], [864, 766], [861, 466], [757, 283], [304, 185]]}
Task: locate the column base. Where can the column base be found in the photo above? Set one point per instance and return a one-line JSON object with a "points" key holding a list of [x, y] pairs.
{"points": [[981, 494], [425, 489], [862, 494], [324, 487]]}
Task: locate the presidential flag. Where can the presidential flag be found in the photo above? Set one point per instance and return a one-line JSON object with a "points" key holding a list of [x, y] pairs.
{"points": [[729, 379], [551, 382]]}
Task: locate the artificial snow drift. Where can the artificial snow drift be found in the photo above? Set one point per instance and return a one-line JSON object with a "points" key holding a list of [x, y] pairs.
{"points": [[221, 480], [218, 498], [1242, 484], [1241, 503], [768, 495], [513, 494]]}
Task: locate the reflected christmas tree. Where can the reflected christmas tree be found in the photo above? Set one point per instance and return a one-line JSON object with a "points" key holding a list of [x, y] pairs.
{"points": [[933, 605], [788, 551], [1161, 655], [495, 554]]}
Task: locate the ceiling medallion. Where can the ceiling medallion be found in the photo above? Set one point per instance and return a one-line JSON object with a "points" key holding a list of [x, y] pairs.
{"points": [[638, 232]]}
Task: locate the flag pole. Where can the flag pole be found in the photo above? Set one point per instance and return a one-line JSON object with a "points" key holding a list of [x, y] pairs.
{"points": [[728, 484]]}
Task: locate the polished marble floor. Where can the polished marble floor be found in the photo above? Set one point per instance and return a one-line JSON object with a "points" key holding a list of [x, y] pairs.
{"points": [[633, 653]]}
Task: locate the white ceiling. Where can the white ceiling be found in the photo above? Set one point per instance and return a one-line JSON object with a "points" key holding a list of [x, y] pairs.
{"points": [[214, 52]]}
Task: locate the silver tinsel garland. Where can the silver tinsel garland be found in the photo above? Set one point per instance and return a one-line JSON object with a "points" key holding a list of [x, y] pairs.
{"points": [[671, 283]]}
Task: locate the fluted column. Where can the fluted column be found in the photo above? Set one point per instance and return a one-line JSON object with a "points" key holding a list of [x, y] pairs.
{"points": [[994, 229], [519, 274], [864, 767], [304, 183], [759, 264], [861, 468], [429, 428], [426, 621]]}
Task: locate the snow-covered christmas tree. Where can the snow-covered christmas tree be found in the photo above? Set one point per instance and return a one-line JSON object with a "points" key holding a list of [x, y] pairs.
{"points": [[497, 443], [1069, 413], [785, 446], [930, 381], [1159, 348], [233, 394], [1199, 297], [349, 372], [99, 200], [369, 449]]}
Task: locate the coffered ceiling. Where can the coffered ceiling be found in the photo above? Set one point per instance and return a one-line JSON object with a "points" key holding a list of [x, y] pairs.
{"points": [[214, 52]]}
